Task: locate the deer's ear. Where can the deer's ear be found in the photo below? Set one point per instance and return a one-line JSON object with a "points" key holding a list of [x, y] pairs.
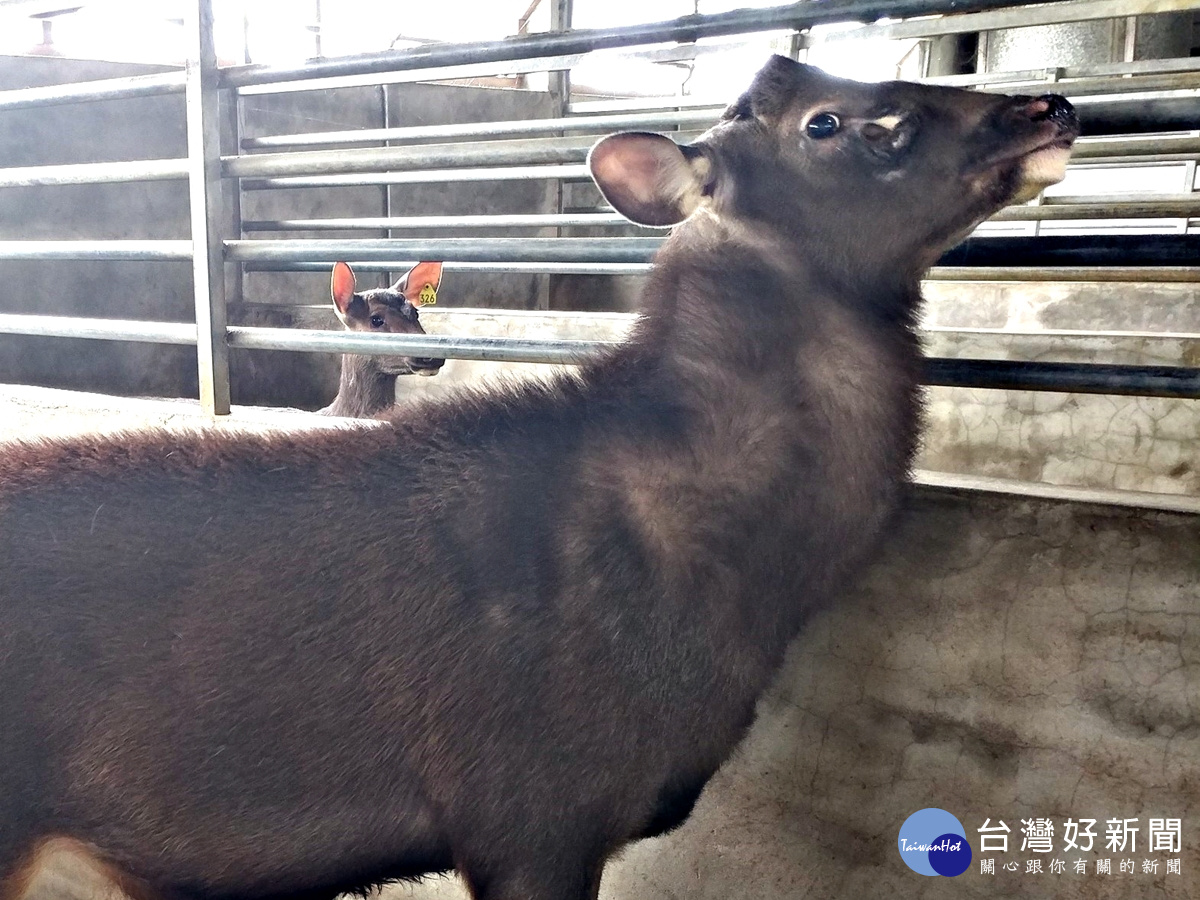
{"points": [[419, 285], [341, 287], [648, 178]]}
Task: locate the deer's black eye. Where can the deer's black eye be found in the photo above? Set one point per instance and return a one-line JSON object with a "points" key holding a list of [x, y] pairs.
{"points": [[377, 321], [823, 125]]}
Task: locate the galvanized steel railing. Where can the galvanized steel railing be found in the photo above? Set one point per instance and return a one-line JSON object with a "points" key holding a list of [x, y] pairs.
{"points": [[536, 149]]}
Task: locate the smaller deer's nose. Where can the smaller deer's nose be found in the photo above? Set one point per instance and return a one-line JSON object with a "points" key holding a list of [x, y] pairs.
{"points": [[427, 363]]}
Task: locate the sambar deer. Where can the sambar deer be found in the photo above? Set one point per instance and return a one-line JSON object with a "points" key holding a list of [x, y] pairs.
{"points": [[509, 633], [368, 383]]}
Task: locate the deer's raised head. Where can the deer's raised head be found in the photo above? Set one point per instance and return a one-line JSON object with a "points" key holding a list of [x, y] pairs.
{"points": [[863, 176], [391, 310]]}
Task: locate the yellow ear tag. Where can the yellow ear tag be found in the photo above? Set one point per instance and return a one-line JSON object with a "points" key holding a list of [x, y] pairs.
{"points": [[428, 295]]}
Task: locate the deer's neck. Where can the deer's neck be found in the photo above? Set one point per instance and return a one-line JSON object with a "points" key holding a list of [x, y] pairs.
{"points": [[791, 416], [363, 391]]}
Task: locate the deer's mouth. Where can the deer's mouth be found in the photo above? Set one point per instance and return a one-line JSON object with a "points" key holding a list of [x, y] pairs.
{"points": [[423, 367]]}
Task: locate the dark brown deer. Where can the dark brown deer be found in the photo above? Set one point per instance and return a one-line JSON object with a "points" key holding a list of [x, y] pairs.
{"points": [[368, 383], [241, 668]]}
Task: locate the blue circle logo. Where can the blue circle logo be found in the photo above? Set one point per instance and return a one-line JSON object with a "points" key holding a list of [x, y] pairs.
{"points": [[933, 842]]}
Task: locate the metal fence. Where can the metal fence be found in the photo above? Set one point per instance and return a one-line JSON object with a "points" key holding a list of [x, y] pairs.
{"points": [[1115, 102]]}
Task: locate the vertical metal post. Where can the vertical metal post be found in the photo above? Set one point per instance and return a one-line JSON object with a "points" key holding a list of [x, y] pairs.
{"points": [[317, 52], [204, 189], [386, 115], [232, 129], [561, 13]]}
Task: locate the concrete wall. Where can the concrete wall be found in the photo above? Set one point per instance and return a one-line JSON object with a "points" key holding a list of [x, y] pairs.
{"points": [[1003, 659], [148, 128], [1127, 443]]}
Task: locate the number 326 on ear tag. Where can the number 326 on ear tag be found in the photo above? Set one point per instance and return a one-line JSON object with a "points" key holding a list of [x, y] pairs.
{"points": [[428, 295]]}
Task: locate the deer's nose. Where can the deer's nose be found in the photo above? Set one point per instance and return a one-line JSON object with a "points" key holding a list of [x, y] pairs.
{"points": [[428, 363], [1048, 108]]}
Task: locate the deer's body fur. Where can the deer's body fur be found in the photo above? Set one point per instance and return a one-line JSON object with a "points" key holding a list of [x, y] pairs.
{"points": [[509, 633]]}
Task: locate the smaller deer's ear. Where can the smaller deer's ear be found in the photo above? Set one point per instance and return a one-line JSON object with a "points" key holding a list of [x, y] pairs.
{"points": [[341, 287], [648, 178], [419, 285]]}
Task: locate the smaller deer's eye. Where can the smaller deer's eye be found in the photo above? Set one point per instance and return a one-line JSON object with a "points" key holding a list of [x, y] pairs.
{"points": [[823, 125], [377, 321]]}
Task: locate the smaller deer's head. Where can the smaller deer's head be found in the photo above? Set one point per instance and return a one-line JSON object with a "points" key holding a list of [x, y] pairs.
{"points": [[391, 310]]}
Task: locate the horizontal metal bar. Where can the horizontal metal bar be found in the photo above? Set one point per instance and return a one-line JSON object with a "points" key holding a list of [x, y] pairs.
{"points": [[1114, 274], [95, 173], [1089, 250], [417, 223], [543, 151], [1061, 337], [393, 265], [1123, 162], [103, 89], [628, 105], [156, 251], [410, 76], [1077, 250], [1169, 207], [986, 484], [1087, 86], [674, 53], [1069, 75], [429, 163], [1158, 209], [99, 329], [579, 250], [1042, 14], [577, 172], [447, 73], [1154, 381], [1076, 378], [1103, 116], [480, 348], [474, 130], [1093, 148], [1061, 79], [1138, 115], [653, 121], [1116, 197], [685, 29], [1100, 274]]}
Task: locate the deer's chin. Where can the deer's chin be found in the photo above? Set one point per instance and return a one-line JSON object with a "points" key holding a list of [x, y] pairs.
{"points": [[1040, 169], [426, 373]]}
